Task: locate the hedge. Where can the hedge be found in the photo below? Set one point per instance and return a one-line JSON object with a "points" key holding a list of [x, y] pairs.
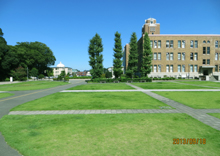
{"points": [[83, 77], [97, 80]]}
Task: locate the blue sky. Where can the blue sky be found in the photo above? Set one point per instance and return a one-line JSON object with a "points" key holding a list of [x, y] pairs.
{"points": [[66, 26]]}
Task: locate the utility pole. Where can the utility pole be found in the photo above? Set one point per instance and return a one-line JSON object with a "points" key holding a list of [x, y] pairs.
{"points": [[27, 73]]}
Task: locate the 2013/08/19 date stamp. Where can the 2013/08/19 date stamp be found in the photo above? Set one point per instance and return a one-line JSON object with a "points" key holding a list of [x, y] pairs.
{"points": [[189, 141]]}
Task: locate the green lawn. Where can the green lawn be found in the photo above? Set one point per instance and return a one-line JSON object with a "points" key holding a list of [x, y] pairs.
{"points": [[88, 101], [204, 83], [105, 86], [217, 115], [113, 134], [197, 100], [31, 85], [166, 85], [3, 95]]}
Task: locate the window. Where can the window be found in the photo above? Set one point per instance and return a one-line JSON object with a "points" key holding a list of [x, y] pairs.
{"points": [[155, 68], [159, 44], [203, 61], [171, 68], [183, 68], [216, 56], [195, 56], [179, 68], [216, 68], [179, 56], [191, 68], [171, 56], [183, 44], [152, 28], [191, 44], [155, 56], [183, 56], [179, 44], [171, 43], [216, 44], [191, 56], [208, 50], [204, 41], [155, 44], [208, 41], [159, 68], [208, 61], [196, 44], [168, 56], [204, 50], [167, 68], [151, 44], [159, 56], [195, 68], [167, 44]]}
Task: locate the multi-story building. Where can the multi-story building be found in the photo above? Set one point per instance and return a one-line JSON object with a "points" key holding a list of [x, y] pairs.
{"points": [[179, 55], [60, 67]]}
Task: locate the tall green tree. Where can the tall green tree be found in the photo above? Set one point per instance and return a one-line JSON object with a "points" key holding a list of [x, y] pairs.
{"points": [[3, 50], [34, 72], [147, 57], [117, 62], [133, 56], [19, 74], [95, 56]]}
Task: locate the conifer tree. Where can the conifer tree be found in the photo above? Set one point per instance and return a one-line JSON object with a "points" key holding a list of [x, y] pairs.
{"points": [[96, 58], [147, 57], [117, 62], [133, 57]]}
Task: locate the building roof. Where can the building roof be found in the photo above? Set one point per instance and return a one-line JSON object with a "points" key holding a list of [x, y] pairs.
{"points": [[184, 35], [60, 65]]}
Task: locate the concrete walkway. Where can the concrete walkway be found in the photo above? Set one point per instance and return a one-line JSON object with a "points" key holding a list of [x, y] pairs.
{"points": [[21, 97]]}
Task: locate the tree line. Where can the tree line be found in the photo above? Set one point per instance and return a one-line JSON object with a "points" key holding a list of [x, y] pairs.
{"points": [[14, 60], [96, 58]]}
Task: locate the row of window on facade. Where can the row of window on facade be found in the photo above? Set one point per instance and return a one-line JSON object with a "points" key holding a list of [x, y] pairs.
{"points": [[170, 56], [181, 44], [180, 68]]}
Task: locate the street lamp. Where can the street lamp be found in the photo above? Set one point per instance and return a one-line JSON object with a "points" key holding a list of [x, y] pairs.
{"points": [[189, 69]]}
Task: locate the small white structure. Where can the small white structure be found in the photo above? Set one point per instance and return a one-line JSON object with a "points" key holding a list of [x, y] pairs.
{"points": [[61, 67], [110, 69]]}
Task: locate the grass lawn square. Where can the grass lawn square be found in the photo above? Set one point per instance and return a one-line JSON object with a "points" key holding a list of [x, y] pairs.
{"points": [[88, 101], [217, 115], [204, 83], [31, 85], [112, 134], [166, 85], [105, 86], [197, 100], [3, 95]]}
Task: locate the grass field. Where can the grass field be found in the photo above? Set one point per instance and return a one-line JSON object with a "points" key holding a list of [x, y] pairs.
{"points": [[88, 101], [204, 83], [115, 134], [217, 115], [105, 86], [3, 95], [167, 85], [31, 85], [197, 100]]}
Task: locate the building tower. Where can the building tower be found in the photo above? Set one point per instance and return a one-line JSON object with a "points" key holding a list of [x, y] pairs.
{"points": [[151, 27]]}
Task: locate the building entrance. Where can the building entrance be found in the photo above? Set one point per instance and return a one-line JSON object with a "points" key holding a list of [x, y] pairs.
{"points": [[205, 72]]}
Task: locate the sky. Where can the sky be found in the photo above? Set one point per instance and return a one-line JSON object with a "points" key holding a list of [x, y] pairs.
{"points": [[66, 26]]}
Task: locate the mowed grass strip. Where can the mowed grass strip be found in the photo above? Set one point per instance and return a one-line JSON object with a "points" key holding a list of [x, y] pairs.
{"points": [[105, 86], [197, 100], [3, 95], [88, 101], [217, 115], [167, 85], [112, 134], [31, 85], [202, 83]]}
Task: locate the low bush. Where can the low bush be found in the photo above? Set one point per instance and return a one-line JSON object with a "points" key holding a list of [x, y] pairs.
{"points": [[83, 77], [123, 79], [7, 79]]}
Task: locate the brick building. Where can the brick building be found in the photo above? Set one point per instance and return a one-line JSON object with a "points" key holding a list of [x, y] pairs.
{"points": [[179, 55]]}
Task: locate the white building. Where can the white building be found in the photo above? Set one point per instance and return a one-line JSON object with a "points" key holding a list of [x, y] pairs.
{"points": [[60, 67]]}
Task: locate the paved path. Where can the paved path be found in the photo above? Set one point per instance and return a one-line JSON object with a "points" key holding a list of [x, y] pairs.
{"points": [[21, 97], [195, 113]]}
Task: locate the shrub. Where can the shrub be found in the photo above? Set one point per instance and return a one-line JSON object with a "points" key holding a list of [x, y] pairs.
{"points": [[103, 76], [7, 79]]}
